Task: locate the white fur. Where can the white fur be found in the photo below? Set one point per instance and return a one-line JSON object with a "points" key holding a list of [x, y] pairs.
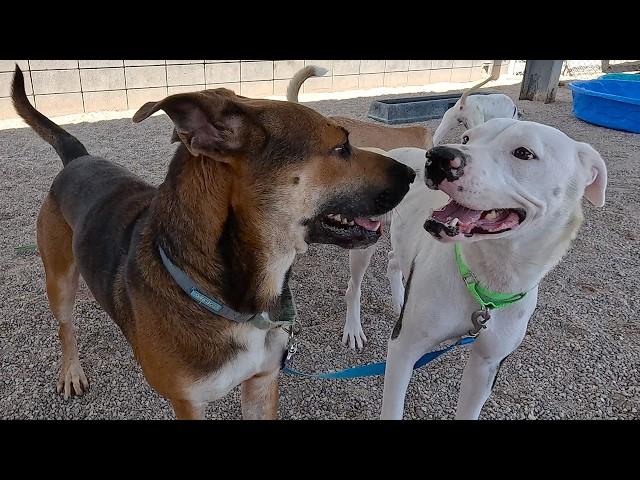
{"points": [[476, 110], [438, 306], [254, 359]]}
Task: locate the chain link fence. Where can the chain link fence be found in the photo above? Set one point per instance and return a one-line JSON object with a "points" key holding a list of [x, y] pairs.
{"points": [[573, 69]]}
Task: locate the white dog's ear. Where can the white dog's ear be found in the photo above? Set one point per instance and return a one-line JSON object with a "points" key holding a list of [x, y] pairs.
{"points": [[596, 174]]}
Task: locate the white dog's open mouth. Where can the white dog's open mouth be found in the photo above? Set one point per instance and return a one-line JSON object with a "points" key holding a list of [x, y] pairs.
{"points": [[454, 219]]}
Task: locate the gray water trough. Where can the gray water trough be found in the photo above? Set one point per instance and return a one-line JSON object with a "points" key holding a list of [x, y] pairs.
{"points": [[414, 109]]}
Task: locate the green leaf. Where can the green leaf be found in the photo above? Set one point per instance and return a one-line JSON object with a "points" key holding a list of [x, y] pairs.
{"points": [[26, 249]]}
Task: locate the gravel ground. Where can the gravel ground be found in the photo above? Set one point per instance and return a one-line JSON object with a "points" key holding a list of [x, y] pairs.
{"points": [[579, 360]]}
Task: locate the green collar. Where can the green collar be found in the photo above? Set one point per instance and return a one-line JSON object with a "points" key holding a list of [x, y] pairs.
{"points": [[488, 299]]}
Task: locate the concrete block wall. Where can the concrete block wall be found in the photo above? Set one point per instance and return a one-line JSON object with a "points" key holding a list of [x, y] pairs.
{"points": [[63, 87]]}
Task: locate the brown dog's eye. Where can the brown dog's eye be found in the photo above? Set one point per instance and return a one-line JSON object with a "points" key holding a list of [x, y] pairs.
{"points": [[465, 139], [343, 150], [524, 154]]}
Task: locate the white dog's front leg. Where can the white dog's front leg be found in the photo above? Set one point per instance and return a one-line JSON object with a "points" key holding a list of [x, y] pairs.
{"points": [[406, 346], [477, 382], [394, 274], [352, 335], [481, 371], [397, 375]]}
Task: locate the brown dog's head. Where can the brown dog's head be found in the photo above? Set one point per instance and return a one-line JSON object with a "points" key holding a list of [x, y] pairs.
{"points": [[294, 169]]}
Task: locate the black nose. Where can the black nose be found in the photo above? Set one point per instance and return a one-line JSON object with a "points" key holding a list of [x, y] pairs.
{"points": [[411, 174], [443, 163], [402, 172], [402, 177]]}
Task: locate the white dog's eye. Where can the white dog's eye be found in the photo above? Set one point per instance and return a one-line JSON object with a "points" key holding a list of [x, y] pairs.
{"points": [[524, 154], [465, 139]]}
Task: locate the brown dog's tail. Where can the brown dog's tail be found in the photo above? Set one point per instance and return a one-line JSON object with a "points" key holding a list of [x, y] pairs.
{"points": [[493, 76], [66, 145], [299, 78]]}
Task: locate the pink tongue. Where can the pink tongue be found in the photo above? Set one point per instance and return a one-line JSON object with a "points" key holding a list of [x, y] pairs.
{"points": [[454, 210], [367, 224]]}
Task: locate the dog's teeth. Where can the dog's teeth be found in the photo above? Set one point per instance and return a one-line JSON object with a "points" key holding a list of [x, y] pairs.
{"points": [[351, 223], [492, 215], [345, 221], [337, 217], [454, 222]]}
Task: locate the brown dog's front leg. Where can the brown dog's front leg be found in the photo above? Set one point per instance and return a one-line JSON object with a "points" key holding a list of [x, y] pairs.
{"points": [[259, 397], [186, 410]]}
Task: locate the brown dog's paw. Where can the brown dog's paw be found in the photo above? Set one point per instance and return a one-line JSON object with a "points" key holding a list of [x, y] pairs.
{"points": [[72, 375]]}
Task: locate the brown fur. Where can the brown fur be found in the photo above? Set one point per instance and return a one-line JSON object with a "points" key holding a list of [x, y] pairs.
{"points": [[368, 134], [61, 274], [260, 397]]}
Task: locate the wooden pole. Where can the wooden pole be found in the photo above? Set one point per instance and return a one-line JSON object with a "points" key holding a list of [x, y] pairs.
{"points": [[540, 82]]}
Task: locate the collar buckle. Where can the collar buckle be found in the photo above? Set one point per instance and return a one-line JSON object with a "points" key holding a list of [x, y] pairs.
{"points": [[469, 279]]}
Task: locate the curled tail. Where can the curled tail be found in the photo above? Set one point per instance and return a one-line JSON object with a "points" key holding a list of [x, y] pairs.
{"points": [[66, 145], [492, 76], [299, 78]]}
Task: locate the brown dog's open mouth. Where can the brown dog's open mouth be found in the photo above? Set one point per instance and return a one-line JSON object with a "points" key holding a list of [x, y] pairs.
{"points": [[345, 231], [454, 219], [340, 221]]}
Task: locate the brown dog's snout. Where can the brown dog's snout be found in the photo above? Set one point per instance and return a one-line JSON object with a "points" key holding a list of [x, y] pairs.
{"points": [[401, 172], [443, 163], [402, 177], [410, 173]]}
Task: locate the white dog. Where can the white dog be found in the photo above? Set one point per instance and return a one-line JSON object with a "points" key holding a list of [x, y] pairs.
{"points": [[473, 110], [514, 193]]}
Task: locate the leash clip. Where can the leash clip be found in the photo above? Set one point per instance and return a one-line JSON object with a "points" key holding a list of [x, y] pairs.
{"points": [[293, 348], [479, 324], [292, 345]]}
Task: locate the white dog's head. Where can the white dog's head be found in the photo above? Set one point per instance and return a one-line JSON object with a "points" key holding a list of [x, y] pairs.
{"points": [[465, 113], [508, 176]]}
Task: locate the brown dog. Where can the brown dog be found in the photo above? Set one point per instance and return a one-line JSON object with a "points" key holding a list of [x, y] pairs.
{"points": [[366, 134], [250, 185]]}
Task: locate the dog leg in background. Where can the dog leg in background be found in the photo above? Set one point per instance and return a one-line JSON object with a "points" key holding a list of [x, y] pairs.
{"points": [[394, 274], [480, 374], [260, 396], [61, 273], [359, 260]]}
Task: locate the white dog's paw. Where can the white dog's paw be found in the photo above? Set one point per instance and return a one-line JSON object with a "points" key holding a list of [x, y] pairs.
{"points": [[397, 308], [353, 336]]}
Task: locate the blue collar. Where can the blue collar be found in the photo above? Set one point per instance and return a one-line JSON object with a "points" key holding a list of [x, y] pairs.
{"points": [[259, 320]]}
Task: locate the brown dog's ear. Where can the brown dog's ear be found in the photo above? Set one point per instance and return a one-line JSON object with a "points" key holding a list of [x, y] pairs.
{"points": [[207, 124]]}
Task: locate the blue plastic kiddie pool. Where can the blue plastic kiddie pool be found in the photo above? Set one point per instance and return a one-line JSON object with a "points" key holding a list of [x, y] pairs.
{"points": [[610, 102]]}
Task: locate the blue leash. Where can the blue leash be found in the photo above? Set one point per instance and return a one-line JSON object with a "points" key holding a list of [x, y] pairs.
{"points": [[376, 369]]}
